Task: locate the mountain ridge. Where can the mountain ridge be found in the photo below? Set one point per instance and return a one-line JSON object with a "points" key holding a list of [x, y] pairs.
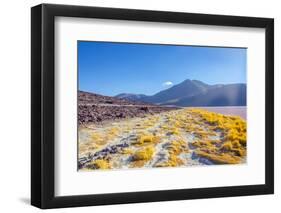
{"points": [[195, 93]]}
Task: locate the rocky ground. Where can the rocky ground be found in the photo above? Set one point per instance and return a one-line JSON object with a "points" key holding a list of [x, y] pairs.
{"points": [[93, 108], [177, 138]]}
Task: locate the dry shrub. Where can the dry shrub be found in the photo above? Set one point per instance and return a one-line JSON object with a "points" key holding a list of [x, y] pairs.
{"points": [[147, 139], [174, 131], [114, 131], [234, 137], [173, 161], [222, 158], [137, 164], [97, 138], [99, 164], [142, 156], [239, 152], [227, 146], [236, 144], [127, 151], [202, 144], [176, 147], [145, 154]]}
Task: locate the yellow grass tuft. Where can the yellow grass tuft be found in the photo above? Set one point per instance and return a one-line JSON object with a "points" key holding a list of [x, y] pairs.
{"points": [[231, 148], [147, 139], [173, 161], [127, 151], [176, 147], [97, 138], [222, 158], [114, 131], [174, 131], [142, 156], [145, 154], [99, 164], [227, 146]]}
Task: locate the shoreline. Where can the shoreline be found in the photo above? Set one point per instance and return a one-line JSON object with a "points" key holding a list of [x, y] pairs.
{"points": [[240, 111]]}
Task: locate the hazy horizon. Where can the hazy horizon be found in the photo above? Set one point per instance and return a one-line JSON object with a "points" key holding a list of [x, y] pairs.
{"points": [[152, 94]]}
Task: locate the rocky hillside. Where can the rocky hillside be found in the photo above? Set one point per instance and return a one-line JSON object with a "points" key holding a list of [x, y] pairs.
{"points": [[94, 108], [92, 98]]}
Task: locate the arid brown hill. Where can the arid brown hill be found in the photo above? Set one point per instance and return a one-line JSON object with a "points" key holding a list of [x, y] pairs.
{"points": [[92, 98], [94, 108]]}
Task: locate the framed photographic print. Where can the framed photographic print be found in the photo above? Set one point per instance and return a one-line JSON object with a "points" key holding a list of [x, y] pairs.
{"points": [[140, 106]]}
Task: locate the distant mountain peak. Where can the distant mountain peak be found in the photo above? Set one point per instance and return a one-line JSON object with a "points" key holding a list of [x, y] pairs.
{"points": [[195, 93]]}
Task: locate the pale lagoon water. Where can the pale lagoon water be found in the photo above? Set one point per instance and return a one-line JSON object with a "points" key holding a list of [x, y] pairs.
{"points": [[228, 110]]}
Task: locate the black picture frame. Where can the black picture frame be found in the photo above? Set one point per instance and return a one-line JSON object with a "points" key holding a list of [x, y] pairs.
{"points": [[43, 102]]}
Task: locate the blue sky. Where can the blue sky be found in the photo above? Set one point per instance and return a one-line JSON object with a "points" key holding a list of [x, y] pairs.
{"points": [[112, 68]]}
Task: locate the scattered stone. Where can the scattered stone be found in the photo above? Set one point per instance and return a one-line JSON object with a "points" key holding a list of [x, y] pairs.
{"points": [[205, 161], [93, 108]]}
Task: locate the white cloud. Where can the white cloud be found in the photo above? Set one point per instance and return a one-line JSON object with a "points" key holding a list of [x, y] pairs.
{"points": [[167, 84]]}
